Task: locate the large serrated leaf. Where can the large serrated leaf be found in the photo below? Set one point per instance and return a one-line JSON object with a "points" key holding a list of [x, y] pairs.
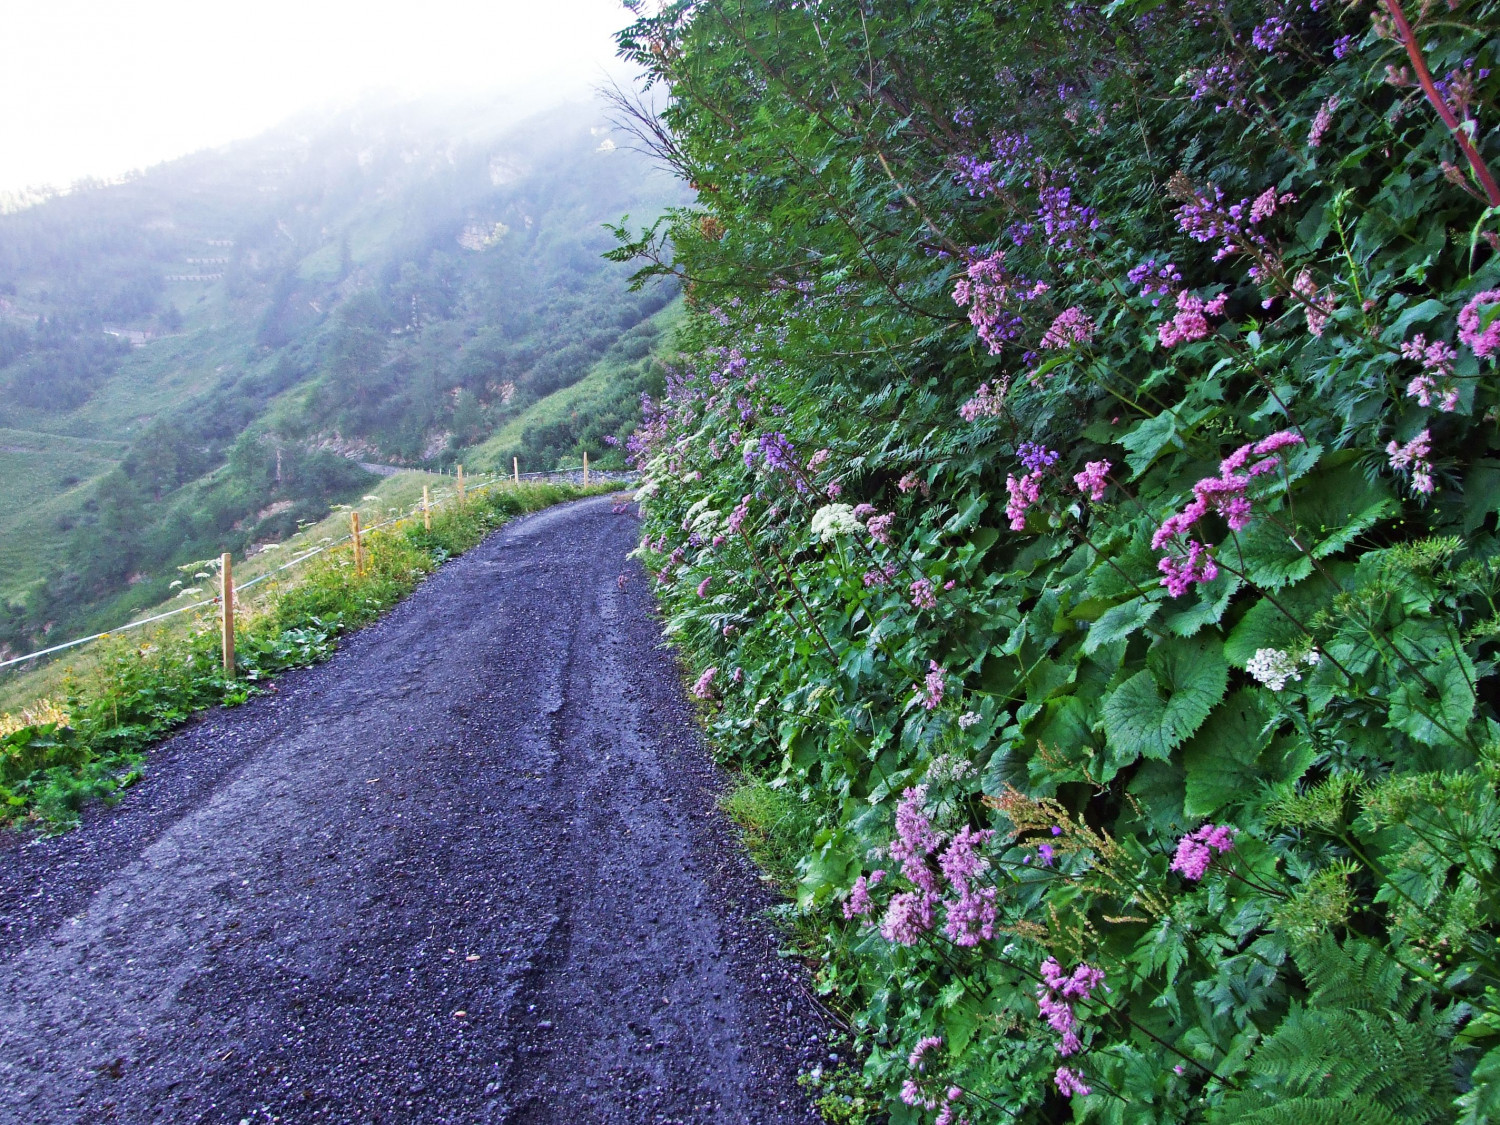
{"points": [[1121, 621], [1219, 760], [1158, 708]]}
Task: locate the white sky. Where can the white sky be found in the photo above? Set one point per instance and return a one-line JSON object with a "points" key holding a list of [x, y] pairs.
{"points": [[100, 87]]}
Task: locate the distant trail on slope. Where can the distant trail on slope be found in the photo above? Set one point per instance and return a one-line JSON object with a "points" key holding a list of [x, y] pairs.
{"points": [[469, 870]]}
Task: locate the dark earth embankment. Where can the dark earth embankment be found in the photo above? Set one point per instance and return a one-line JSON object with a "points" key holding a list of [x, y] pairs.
{"points": [[470, 870]]}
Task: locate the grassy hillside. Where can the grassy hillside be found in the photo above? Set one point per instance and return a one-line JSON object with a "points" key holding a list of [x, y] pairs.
{"points": [[241, 328], [555, 431]]}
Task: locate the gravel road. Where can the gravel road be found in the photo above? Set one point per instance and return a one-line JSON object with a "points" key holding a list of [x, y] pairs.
{"points": [[469, 870]]}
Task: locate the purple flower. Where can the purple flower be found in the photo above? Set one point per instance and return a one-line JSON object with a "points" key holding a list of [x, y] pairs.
{"points": [[1023, 493], [703, 587], [1342, 46], [1035, 457], [1181, 572], [1413, 456], [983, 404], [1044, 854], [1269, 34]]}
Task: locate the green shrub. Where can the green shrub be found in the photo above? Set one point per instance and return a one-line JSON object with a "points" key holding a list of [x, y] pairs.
{"points": [[1082, 485]]}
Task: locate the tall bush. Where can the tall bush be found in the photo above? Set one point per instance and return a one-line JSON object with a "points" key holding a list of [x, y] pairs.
{"points": [[1086, 477]]}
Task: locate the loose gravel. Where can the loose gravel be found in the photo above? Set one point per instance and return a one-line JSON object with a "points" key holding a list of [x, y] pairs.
{"points": [[469, 870]]}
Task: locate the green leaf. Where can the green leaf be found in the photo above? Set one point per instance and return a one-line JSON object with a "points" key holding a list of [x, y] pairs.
{"points": [[1154, 711], [1220, 759], [1121, 621]]}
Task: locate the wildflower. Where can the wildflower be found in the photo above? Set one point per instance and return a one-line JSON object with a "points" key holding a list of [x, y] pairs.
{"points": [[923, 596], [1195, 850], [915, 840], [1023, 494], [968, 719], [1035, 457], [1154, 279], [874, 577], [908, 917], [910, 482], [984, 289], [1181, 572], [1057, 995], [833, 520], [1342, 46], [817, 459], [1093, 480], [1322, 122], [1482, 340], [1071, 327], [1267, 36], [737, 517], [703, 587], [1272, 667], [933, 696], [984, 404], [739, 673], [1069, 1083], [1190, 322], [1434, 383], [1317, 316], [1413, 455], [1044, 853], [704, 688], [859, 903], [879, 527]]}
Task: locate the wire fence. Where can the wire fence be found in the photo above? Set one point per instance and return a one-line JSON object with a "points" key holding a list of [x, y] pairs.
{"points": [[480, 484]]}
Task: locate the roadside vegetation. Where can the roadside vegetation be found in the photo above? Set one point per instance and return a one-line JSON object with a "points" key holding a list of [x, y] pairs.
{"points": [[92, 737], [1078, 500]]}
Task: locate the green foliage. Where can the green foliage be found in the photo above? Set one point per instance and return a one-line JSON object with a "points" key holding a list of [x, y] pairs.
{"points": [[1087, 427], [143, 688]]}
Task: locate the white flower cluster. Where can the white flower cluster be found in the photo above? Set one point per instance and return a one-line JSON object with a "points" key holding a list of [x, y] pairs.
{"points": [[702, 519], [968, 719], [833, 520], [949, 767], [1272, 667]]}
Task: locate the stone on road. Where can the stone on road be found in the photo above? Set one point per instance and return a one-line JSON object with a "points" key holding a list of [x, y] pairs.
{"points": [[469, 870]]}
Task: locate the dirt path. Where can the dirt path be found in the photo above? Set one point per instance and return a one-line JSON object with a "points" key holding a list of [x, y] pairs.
{"points": [[470, 870]]}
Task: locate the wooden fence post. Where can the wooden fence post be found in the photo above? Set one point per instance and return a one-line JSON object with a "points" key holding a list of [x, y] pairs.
{"points": [[515, 468], [585, 468], [226, 596], [359, 547], [460, 484], [426, 509]]}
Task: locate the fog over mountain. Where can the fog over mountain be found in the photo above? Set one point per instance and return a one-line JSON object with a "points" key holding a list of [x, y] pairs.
{"points": [[202, 355]]}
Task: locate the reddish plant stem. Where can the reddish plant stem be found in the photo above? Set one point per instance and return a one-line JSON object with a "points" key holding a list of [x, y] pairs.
{"points": [[1424, 78]]}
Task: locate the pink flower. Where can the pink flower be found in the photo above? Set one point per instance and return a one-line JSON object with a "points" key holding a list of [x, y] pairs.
{"points": [[1070, 1084], [907, 918], [1195, 850], [1181, 572], [1317, 314], [1190, 322], [985, 289], [737, 517], [1322, 121], [1071, 327], [923, 594], [1413, 456], [983, 404], [1093, 480], [817, 459], [704, 688], [1435, 382], [859, 904], [935, 683], [703, 587], [875, 577], [879, 527], [1482, 341], [1023, 494]]}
